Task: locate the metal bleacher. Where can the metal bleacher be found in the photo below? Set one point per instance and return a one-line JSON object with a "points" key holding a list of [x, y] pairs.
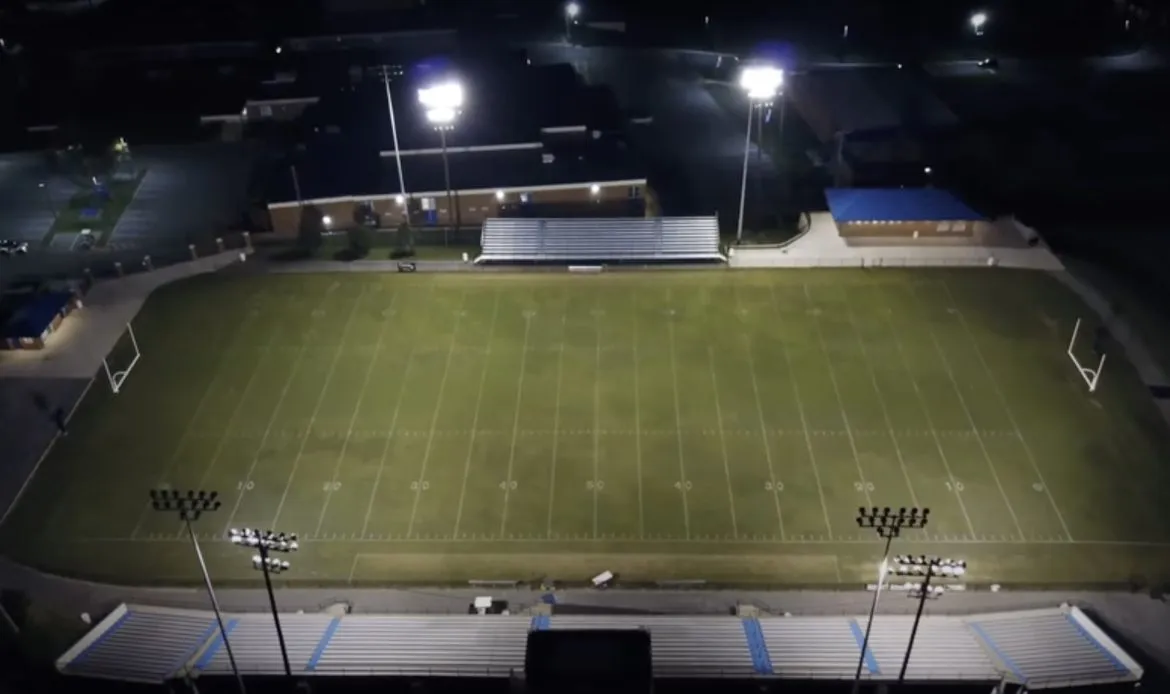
{"points": [[622, 239], [1047, 648]]}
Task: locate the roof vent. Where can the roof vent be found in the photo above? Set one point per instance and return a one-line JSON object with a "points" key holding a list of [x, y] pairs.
{"points": [[547, 158]]}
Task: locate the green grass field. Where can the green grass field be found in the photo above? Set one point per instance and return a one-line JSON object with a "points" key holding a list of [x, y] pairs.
{"points": [[666, 425]]}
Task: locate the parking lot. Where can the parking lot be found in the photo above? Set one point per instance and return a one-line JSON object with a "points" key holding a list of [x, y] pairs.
{"points": [[28, 208]]}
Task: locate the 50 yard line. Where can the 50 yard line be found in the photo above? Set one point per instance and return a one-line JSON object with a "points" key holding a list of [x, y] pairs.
{"points": [[678, 422], [515, 422]]}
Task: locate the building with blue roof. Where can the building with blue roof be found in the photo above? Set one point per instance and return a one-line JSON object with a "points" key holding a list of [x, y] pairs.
{"points": [[36, 318], [901, 212]]}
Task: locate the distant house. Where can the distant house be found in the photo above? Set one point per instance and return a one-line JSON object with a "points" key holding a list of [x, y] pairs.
{"points": [[32, 322]]}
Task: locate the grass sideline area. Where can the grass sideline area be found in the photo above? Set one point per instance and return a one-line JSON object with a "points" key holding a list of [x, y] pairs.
{"points": [[724, 426]]}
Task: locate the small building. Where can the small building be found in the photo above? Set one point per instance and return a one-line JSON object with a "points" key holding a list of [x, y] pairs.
{"points": [[36, 318], [901, 213]]}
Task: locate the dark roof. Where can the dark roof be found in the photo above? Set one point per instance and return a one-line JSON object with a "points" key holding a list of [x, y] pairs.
{"points": [[37, 314], [352, 171], [897, 205]]}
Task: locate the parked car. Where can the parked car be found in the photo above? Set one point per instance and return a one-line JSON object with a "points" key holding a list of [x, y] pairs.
{"points": [[989, 64], [10, 247]]}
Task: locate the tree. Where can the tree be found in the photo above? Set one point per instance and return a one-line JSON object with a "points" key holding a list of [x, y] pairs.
{"points": [[403, 241], [360, 241], [311, 230]]}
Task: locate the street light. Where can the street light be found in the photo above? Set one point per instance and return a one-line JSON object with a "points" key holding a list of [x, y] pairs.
{"points": [[571, 11], [190, 505], [926, 567], [266, 541], [394, 134], [442, 103], [978, 21], [888, 524], [762, 84]]}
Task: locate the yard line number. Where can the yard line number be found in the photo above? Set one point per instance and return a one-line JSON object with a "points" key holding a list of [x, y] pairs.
{"points": [[594, 485], [416, 486], [863, 486], [684, 486], [774, 486], [508, 485], [957, 486], [245, 486], [331, 486]]}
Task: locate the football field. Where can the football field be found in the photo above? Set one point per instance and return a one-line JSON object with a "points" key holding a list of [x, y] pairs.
{"points": [[669, 425]]}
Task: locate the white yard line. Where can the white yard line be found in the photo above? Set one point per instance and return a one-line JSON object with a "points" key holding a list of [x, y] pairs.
{"points": [[812, 457], [882, 401], [393, 426], [840, 400], [316, 410], [515, 425], [263, 439], [1007, 409], [596, 409], [356, 409], [474, 420], [723, 441], [930, 423], [971, 420], [552, 482], [638, 423], [678, 428], [422, 472]]}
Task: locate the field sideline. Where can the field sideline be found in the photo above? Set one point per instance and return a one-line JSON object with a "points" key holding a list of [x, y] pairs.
{"points": [[668, 425]]}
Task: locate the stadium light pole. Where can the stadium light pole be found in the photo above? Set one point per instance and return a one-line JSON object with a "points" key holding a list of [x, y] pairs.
{"points": [[442, 103], [762, 83], [978, 22], [926, 567], [394, 130], [571, 11], [266, 541], [190, 505], [888, 524]]}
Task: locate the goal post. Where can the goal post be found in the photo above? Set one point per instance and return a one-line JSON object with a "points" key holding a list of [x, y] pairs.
{"points": [[117, 372], [1089, 374]]}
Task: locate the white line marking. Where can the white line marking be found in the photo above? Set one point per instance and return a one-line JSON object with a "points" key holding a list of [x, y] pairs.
{"points": [[881, 400], [678, 422], [356, 409], [1007, 410], [475, 418], [970, 419], [763, 425], [722, 441], [353, 567], [45, 454], [840, 400], [812, 457], [596, 408], [638, 423], [435, 416], [930, 423], [390, 434], [316, 410], [552, 482], [515, 426]]}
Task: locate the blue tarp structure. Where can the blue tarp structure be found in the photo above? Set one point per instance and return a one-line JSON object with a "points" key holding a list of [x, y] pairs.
{"points": [[35, 316], [897, 205]]}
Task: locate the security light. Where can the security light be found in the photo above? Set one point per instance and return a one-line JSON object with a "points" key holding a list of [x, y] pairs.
{"points": [[400, 199], [327, 220], [572, 9], [500, 195], [595, 189], [761, 82]]}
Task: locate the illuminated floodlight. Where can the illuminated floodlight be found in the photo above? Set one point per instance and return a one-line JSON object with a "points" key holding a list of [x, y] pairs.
{"points": [[445, 96], [761, 82], [327, 220], [500, 195], [400, 199], [572, 9], [441, 116], [595, 189], [978, 21]]}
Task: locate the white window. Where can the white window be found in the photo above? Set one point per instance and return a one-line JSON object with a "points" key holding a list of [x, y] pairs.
{"points": [[428, 203], [525, 198], [635, 191]]}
